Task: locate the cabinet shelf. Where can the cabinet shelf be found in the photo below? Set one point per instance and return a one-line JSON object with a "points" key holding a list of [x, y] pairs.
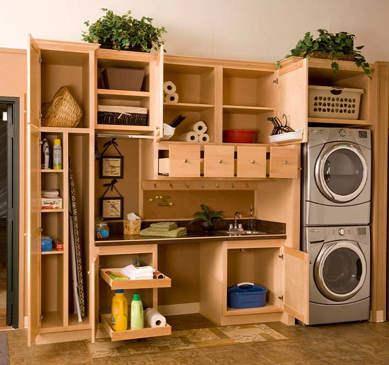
{"points": [[124, 128], [247, 109], [51, 322], [134, 284], [53, 252], [123, 93], [52, 210], [64, 130], [133, 334], [339, 121], [268, 308], [187, 106], [48, 171]]}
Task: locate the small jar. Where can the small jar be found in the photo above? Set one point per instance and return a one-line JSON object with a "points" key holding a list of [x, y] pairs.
{"points": [[102, 230]]}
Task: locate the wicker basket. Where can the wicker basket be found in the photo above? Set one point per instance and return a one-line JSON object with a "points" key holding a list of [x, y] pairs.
{"points": [[63, 110]]}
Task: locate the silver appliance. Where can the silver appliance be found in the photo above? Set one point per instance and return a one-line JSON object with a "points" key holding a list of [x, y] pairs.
{"points": [[339, 282], [336, 177]]}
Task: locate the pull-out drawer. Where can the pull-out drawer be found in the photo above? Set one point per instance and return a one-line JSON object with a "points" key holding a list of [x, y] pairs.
{"points": [[284, 162], [219, 161], [251, 161], [184, 161]]}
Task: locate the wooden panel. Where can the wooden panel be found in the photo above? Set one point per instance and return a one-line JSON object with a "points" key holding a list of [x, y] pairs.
{"points": [[184, 160], [218, 161], [284, 162], [34, 82], [251, 161], [296, 283]]}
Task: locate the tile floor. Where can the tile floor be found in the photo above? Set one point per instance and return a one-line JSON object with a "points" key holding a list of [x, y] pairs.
{"points": [[357, 343]]}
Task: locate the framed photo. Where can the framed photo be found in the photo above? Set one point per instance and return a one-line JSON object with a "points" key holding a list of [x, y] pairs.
{"points": [[111, 167], [111, 208]]}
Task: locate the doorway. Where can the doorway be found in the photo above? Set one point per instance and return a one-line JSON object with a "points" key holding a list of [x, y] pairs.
{"points": [[9, 211]]}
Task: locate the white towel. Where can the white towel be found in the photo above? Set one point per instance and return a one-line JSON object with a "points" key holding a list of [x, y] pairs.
{"points": [[138, 273]]}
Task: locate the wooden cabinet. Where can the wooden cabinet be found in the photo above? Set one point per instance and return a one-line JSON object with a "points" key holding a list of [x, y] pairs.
{"points": [[184, 160], [251, 161], [218, 161], [284, 162]]}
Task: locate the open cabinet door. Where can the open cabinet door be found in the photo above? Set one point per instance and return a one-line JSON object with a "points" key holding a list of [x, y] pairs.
{"points": [[156, 97], [293, 94], [33, 191], [296, 283]]}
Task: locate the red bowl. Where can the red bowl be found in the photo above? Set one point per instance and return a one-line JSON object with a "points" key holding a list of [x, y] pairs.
{"points": [[239, 136]]}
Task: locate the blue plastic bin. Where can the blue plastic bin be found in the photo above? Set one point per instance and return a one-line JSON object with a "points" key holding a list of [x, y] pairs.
{"points": [[47, 244], [246, 295]]}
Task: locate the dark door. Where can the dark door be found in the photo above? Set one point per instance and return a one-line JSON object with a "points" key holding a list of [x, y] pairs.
{"points": [[9, 203]]}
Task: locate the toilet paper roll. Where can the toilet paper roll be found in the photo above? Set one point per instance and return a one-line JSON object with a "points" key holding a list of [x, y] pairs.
{"points": [[153, 318], [169, 87], [204, 138], [200, 127], [191, 136], [171, 98]]}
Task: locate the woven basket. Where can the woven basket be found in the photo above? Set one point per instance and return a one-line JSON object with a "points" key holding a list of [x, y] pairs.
{"points": [[63, 111]]}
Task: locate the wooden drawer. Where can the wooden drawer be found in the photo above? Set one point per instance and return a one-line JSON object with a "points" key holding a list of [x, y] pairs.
{"points": [[184, 161], [219, 161], [284, 162], [251, 161]]}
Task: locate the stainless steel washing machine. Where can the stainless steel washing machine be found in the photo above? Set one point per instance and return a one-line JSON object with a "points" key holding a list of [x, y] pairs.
{"points": [[339, 287], [336, 177]]}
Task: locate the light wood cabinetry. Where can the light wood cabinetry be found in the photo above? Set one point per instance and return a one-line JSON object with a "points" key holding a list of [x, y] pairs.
{"points": [[284, 162], [218, 161], [184, 160], [251, 161]]}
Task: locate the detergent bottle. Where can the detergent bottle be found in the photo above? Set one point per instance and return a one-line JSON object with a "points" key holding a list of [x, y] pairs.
{"points": [[137, 321], [119, 311]]}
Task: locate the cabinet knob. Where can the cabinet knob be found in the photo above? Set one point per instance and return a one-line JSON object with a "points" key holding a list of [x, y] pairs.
{"points": [[285, 162], [186, 160], [220, 161], [252, 162]]}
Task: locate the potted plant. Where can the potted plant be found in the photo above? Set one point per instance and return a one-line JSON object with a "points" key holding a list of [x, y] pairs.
{"points": [[124, 32], [333, 46], [208, 217]]}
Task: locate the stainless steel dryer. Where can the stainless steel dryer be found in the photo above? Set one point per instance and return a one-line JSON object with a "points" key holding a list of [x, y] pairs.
{"points": [[339, 287], [337, 177]]}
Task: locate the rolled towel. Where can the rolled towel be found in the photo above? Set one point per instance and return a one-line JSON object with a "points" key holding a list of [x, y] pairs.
{"points": [[204, 138], [200, 127], [153, 318], [169, 87], [171, 98], [164, 225], [191, 136]]}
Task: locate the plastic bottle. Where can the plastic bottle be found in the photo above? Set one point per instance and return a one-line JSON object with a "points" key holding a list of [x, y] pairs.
{"points": [[45, 154], [57, 154], [119, 311], [137, 321]]}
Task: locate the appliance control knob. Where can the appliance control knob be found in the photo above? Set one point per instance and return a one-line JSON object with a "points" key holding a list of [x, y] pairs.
{"points": [[341, 231], [342, 132]]}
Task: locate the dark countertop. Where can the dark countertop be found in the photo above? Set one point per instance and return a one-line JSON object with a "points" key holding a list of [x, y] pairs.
{"points": [[266, 230]]}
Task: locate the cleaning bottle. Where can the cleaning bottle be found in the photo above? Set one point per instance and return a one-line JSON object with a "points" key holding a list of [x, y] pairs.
{"points": [[137, 321], [57, 154], [119, 311]]}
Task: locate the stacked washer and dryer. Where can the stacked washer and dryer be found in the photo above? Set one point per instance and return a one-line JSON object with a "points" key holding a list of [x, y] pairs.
{"points": [[335, 223]]}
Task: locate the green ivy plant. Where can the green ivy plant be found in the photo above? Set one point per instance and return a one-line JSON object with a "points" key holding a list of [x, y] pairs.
{"points": [[207, 216], [124, 32], [335, 46]]}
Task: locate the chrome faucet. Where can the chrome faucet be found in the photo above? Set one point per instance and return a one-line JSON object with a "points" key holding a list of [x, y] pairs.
{"points": [[237, 227]]}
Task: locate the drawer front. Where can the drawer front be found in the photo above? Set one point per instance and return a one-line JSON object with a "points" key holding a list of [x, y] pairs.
{"points": [[219, 161], [251, 161], [184, 161], [284, 162]]}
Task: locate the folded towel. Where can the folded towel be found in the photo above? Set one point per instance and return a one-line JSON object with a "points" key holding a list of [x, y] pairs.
{"points": [[168, 226], [137, 273], [174, 233]]}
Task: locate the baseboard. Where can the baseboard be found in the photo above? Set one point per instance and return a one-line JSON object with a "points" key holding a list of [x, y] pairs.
{"points": [[179, 309]]}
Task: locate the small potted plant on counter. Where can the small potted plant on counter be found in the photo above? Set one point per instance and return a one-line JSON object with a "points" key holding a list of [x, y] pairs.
{"points": [[124, 32], [333, 46], [207, 217]]}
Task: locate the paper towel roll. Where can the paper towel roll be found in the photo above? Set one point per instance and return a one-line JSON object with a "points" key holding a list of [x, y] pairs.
{"points": [[153, 318], [204, 138], [171, 98], [191, 136], [169, 87], [200, 127]]}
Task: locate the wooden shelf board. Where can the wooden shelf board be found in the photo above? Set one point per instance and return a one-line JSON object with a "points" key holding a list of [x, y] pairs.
{"points": [[269, 308], [124, 128], [243, 109], [51, 322], [52, 210], [53, 252], [248, 72], [74, 325], [65, 130], [131, 57], [48, 171], [339, 121], [133, 334], [134, 284], [123, 93], [187, 106]]}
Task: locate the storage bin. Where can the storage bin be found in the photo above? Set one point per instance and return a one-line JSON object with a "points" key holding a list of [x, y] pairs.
{"points": [[121, 78], [46, 244], [333, 102], [122, 115], [246, 295], [132, 227], [239, 136]]}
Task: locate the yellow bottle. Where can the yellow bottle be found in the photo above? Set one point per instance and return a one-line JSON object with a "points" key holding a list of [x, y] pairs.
{"points": [[119, 311]]}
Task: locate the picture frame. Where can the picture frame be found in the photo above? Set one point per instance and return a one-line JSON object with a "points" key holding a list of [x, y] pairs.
{"points": [[111, 167], [111, 207]]}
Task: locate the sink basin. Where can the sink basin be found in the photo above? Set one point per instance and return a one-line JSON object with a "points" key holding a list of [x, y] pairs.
{"points": [[239, 233]]}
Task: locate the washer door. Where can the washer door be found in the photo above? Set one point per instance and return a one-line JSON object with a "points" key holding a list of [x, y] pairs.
{"points": [[341, 172], [340, 270]]}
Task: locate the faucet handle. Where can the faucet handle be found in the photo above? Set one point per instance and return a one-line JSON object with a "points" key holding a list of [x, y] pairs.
{"points": [[240, 227]]}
